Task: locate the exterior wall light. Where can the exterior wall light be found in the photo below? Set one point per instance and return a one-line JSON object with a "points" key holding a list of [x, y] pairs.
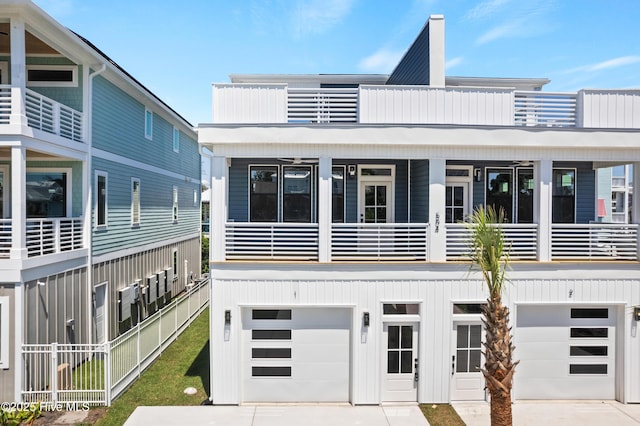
{"points": [[365, 319], [636, 313], [227, 317]]}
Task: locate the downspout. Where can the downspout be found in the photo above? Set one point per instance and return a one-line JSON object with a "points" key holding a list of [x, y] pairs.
{"points": [[89, 199]]}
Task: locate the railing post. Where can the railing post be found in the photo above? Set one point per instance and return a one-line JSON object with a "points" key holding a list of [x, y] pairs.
{"points": [[54, 372], [57, 233], [138, 347], [107, 372], [56, 118]]}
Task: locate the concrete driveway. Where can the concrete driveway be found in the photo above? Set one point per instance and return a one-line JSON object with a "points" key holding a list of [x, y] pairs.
{"points": [[555, 413], [279, 415]]}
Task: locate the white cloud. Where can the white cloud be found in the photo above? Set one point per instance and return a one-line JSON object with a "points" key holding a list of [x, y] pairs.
{"points": [[384, 60], [453, 62], [317, 16], [605, 65], [509, 29], [485, 8]]}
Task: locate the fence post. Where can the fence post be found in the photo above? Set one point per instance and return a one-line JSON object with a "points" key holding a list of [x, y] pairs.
{"points": [[107, 373], [54, 372], [160, 330], [138, 349]]}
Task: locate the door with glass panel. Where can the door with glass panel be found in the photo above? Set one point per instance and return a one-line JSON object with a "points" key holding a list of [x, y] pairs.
{"points": [[400, 362], [375, 202], [467, 382], [457, 205]]}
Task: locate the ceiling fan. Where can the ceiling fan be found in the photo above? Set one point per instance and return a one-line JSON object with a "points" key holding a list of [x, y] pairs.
{"points": [[298, 160], [523, 163]]}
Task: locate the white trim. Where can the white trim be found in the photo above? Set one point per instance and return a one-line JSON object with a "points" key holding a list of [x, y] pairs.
{"points": [[98, 153], [72, 83], [452, 180], [68, 189], [4, 331], [104, 285], [148, 124], [135, 223], [96, 225]]}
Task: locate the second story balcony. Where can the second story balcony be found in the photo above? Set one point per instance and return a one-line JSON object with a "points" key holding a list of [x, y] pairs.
{"points": [[274, 103]]}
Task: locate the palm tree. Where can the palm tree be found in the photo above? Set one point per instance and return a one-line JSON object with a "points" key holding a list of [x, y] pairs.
{"points": [[491, 255]]}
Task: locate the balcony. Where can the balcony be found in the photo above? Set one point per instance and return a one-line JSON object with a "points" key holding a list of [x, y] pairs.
{"points": [[388, 104], [409, 241], [45, 236], [44, 114]]}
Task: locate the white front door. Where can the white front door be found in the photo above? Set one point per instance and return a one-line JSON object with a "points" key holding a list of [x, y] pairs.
{"points": [[400, 357], [457, 202], [375, 202], [467, 382]]}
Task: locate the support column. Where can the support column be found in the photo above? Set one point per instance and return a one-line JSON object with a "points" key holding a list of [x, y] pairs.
{"points": [[542, 203], [18, 73], [437, 231], [18, 202], [635, 202], [218, 209], [324, 208]]}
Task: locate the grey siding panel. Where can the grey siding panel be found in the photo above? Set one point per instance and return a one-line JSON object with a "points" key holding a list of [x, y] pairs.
{"points": [[156, 203], [239, 188], [419, 191], [414, 66], [118, 127]]}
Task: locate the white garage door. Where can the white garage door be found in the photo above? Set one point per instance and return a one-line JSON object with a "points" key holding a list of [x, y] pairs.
{"points": [[296, 355], [565, 352]]}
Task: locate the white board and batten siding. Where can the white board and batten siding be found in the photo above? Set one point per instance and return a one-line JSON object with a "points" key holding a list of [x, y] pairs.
{"points": [[435, 297], [249, 103], [618, 109], [424, 105]]}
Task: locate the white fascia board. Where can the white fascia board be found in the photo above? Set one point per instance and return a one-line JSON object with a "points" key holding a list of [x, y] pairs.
{"points": [[447, 142], [310, 80]]}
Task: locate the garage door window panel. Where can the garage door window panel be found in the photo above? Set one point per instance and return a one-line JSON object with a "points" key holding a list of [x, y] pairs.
{"points": [[271, 371], [589, 351], [589, 332], [271, 314], [590, 313], [588, 369], [269, 353], [271, 334]]}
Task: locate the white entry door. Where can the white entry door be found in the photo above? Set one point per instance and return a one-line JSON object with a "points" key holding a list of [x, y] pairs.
{"points": [[457, 202], [376, 202], [100, 313], [400, 357], [467, 382]]}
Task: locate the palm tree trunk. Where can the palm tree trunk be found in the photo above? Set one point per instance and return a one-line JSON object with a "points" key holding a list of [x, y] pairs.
{"points": [[499, 368]]}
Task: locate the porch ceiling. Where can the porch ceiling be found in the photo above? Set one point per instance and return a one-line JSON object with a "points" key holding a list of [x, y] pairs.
{"points": [[34, 45], [5, 153]]}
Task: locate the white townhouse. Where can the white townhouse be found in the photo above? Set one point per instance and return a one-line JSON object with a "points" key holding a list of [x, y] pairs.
{"points": [[338, 259]]}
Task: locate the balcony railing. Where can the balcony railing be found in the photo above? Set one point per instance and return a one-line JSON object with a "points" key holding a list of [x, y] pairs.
{"points": [[521, 240], [379, 241], [545, 109], [47, 236], [52, 117], [5, 238], [391, 104], [271, 240], [322, 105], [44, 114], [594, 242]]}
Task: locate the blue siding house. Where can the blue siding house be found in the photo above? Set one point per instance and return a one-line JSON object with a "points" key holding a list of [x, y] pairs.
{"points": [[99, 199]]}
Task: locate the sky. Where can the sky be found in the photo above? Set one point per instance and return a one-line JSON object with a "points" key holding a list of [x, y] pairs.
{"points": [[178, 49]]}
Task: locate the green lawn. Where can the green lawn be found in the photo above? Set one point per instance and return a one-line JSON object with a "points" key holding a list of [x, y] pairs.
{"points": [[185, 363]]}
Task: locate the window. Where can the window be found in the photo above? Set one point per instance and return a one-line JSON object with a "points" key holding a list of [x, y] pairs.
{"points": [[296, 194], [468, 348], [4, 332], [176, 140], [52, 75], [588, 369], [270, 371], [400, 349], [101, 199], [337, 194], [47, 193], [135, 201], [401, 309], [524, 198], [589, 313], [175, 264], [175, 204], [589, 351], [148, 124], [499, 191], [271, 314], [271, 353], [263, 194], [564, 196], [271, 334], [589, 333], [467, 308]]}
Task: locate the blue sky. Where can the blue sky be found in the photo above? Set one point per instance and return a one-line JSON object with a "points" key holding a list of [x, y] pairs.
{"points": [[178, 49]]}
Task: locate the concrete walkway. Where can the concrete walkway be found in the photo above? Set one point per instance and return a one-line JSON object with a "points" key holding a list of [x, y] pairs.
{"points": [[555, 413], [279, 415]]}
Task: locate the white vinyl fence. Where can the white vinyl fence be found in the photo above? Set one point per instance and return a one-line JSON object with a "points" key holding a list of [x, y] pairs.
{"points": [[96, 374]]}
